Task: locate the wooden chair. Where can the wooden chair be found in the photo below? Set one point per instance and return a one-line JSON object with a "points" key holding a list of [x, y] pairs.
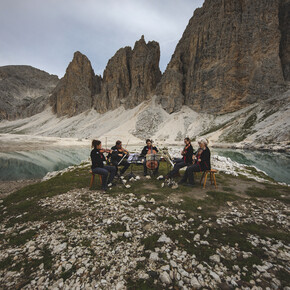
{"points": [[212, 177], [93, 179]]}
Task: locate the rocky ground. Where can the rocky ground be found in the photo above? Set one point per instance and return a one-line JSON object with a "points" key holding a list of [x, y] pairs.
{"points": [[59, 234]]}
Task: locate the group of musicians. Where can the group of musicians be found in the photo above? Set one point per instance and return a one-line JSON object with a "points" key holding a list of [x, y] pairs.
{"points": [[194, 161]]}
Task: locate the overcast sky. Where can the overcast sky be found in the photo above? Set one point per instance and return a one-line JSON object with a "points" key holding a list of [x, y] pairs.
{"points": [[46, 33]]}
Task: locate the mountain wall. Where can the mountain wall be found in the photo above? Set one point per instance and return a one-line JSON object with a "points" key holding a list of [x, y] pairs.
{"points": [[24, 91], [232, 53]]}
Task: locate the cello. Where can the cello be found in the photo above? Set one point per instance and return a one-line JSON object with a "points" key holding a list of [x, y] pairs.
{"points": [[151, 160]]}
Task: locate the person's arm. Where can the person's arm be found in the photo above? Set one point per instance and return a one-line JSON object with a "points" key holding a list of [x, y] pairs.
{"points": [[114, 154], [155, 149], [205, 157], [143, 153]]}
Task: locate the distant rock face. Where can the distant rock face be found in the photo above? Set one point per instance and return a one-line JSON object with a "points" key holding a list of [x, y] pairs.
{"points": [[284, 18], [229, 56], [73, 94], [24, 91], [130, 76]]}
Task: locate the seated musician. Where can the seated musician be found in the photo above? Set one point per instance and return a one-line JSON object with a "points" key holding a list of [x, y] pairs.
{"points": [[201, 162], [186, 159], [118, 157], [149, 148], [107, 172]]}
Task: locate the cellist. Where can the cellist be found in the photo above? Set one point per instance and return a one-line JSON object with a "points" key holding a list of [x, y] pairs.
{"points": [[117, 157], [149, 148], [186, 159]]}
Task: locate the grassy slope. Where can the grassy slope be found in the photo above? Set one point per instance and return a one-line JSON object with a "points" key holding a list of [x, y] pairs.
{"points": [[22, 206]]}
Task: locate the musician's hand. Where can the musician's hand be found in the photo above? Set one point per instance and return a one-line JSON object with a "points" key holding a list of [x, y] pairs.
{"points": [[121, 155], [199, 160]]}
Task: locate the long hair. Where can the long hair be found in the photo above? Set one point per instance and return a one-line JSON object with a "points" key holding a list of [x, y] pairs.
{"points": [[95, 143]]}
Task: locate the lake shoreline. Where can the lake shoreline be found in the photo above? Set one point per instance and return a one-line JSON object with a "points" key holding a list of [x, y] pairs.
{"points": [[17, 142]]}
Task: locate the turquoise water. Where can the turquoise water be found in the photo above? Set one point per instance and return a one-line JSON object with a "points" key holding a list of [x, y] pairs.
{"points": [[35, 164], [276, 165]]}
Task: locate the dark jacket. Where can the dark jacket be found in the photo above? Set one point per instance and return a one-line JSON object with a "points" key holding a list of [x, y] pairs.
{"points": [[188, 154], [97, 158], [115, 154], [146, 149], [205, 160]]}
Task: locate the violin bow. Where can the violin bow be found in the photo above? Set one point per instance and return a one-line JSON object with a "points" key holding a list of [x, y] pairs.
{"points": [[165, 155], [124, 155]]}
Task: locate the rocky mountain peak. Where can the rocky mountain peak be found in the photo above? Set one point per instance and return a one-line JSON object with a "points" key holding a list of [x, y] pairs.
{"points": [[130, 77], [74, 92]]}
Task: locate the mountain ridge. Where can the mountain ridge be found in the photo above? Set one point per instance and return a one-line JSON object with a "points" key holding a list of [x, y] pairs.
{"points": [[238, 59]]}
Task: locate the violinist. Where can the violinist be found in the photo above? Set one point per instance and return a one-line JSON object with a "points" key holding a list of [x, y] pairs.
{"points": [[149, 148], [186, 159], [107, 172], [202, 163], [118, 157]]}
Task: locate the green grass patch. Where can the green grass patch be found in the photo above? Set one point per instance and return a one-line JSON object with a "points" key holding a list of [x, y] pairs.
{"points": [[284, 277], [25, 201], [263, 192], [150, 243], [264, 231], [117, 227], [228, 189], [67, 274], [142, 284], [21, 239]]}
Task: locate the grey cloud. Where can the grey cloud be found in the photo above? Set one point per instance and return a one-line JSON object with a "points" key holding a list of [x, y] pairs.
{"points": [[46, 33]]}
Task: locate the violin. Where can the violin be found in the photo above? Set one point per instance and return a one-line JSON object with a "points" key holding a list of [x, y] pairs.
{"points": [[124, 151], [105, 150], [197, 156], [184, 151]]}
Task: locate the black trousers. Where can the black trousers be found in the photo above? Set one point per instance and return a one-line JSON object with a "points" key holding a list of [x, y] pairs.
{"points": [[177, 166], [188, 175], [124, 163]]}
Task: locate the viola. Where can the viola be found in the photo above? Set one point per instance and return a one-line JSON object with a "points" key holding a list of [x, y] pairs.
{"points": [[152, 163]]}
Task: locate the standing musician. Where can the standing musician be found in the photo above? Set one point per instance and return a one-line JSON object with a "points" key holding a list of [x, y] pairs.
{"points": [[119, 153], [149, 149], [98, 166], [186, 159], [202, 163]]}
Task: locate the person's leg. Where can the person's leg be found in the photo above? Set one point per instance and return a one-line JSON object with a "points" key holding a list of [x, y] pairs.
{"points": [[112, 170], [156, 170], [126, 165], [115, 164], [191, 169], [145, 167], [104, 173], [177, 160], [185, 177], [176, 168]]}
